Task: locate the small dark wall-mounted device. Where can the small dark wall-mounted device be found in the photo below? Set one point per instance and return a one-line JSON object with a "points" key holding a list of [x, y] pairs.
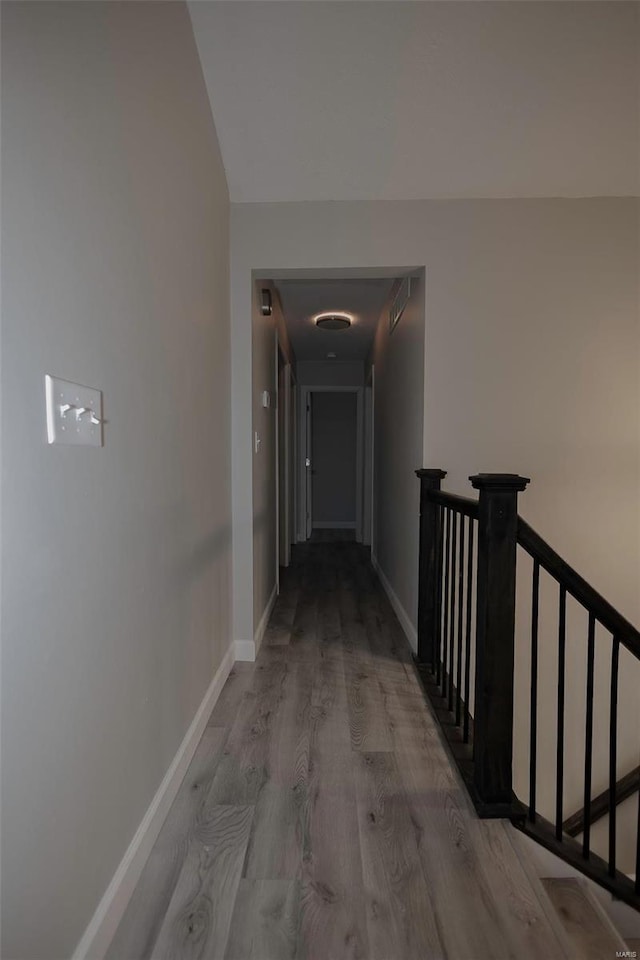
{"points": [[266, 302]]}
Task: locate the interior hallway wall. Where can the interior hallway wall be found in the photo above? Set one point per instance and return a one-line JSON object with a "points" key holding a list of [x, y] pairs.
{"points": [[116, 561], [263, 468], [398, 361], [331, 373]]}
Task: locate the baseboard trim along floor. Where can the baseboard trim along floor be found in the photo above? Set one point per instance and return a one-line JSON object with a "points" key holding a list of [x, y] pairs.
{"points": [[400, 612], [104, 923], [247, 650]]}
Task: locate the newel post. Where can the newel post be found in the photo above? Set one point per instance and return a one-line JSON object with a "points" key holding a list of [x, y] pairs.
{"points": [[495, 627], [428, 597]]}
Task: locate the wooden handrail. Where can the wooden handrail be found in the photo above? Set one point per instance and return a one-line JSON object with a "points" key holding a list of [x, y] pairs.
{"points": [[625, 788], [464, 505], [578, 587]]}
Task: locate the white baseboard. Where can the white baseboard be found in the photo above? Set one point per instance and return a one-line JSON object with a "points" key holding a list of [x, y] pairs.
{"points": [[264, 619], [401, 613], [247, 650], [334, 525], [104, 923]]}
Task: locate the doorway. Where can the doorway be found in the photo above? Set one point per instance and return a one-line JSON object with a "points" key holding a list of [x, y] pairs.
{"points": [[331, 471]]}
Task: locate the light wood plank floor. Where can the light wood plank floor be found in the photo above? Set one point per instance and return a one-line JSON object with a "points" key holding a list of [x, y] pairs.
{"points": [[321, 818]]}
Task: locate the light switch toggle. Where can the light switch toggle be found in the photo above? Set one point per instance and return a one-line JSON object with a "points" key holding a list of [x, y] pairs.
{"points": [[83, 411], [74, 413]]}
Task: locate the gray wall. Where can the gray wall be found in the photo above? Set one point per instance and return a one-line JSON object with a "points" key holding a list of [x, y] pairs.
{"points": [[333, 457], [116, 561], [263, 472], [264, 462], [330, 373], [398, 360]]}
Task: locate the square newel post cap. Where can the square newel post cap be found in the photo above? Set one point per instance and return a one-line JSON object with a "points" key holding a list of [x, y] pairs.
{"points": [[499, 481], [426, 473]]}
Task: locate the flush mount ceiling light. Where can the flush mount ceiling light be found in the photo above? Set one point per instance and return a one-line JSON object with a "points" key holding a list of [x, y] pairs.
{"points": [[333, 321]]}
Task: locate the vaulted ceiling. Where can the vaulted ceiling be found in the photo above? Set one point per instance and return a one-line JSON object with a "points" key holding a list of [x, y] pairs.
{"points": [[407, 100]]}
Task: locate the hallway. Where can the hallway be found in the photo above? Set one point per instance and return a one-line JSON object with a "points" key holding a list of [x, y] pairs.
{"points": [[320, 817]]}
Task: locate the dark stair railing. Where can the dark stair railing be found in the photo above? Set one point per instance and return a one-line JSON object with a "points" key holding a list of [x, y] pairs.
{"points": [[599, 807], [466, 653]]}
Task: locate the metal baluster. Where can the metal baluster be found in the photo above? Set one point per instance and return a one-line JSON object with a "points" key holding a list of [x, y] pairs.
{"points": [[452, 624], [437, 634], [443, 521], [460, 604], [445, 602], [533, 724], [588, 740], [562, 619], [467, 655], [613, 751]]}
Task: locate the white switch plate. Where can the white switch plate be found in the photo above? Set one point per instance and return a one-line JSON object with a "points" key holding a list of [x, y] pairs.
{"points": [[71, 411], [266, 399]]}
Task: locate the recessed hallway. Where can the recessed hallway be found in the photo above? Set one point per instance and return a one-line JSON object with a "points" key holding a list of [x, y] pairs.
{"points": [[320, 817]]}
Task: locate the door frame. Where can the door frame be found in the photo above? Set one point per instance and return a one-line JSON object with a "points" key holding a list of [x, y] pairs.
{"points": [[308, 464], [281, 362], [293, 461], [368, 501], [303, 392]]}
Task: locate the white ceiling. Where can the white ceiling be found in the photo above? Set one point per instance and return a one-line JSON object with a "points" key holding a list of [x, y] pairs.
{"points": [[302, 300], [408, 100]]}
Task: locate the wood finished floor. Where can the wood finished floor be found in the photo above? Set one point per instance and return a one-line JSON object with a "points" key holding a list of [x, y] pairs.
{"points": [[320, 818]]}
